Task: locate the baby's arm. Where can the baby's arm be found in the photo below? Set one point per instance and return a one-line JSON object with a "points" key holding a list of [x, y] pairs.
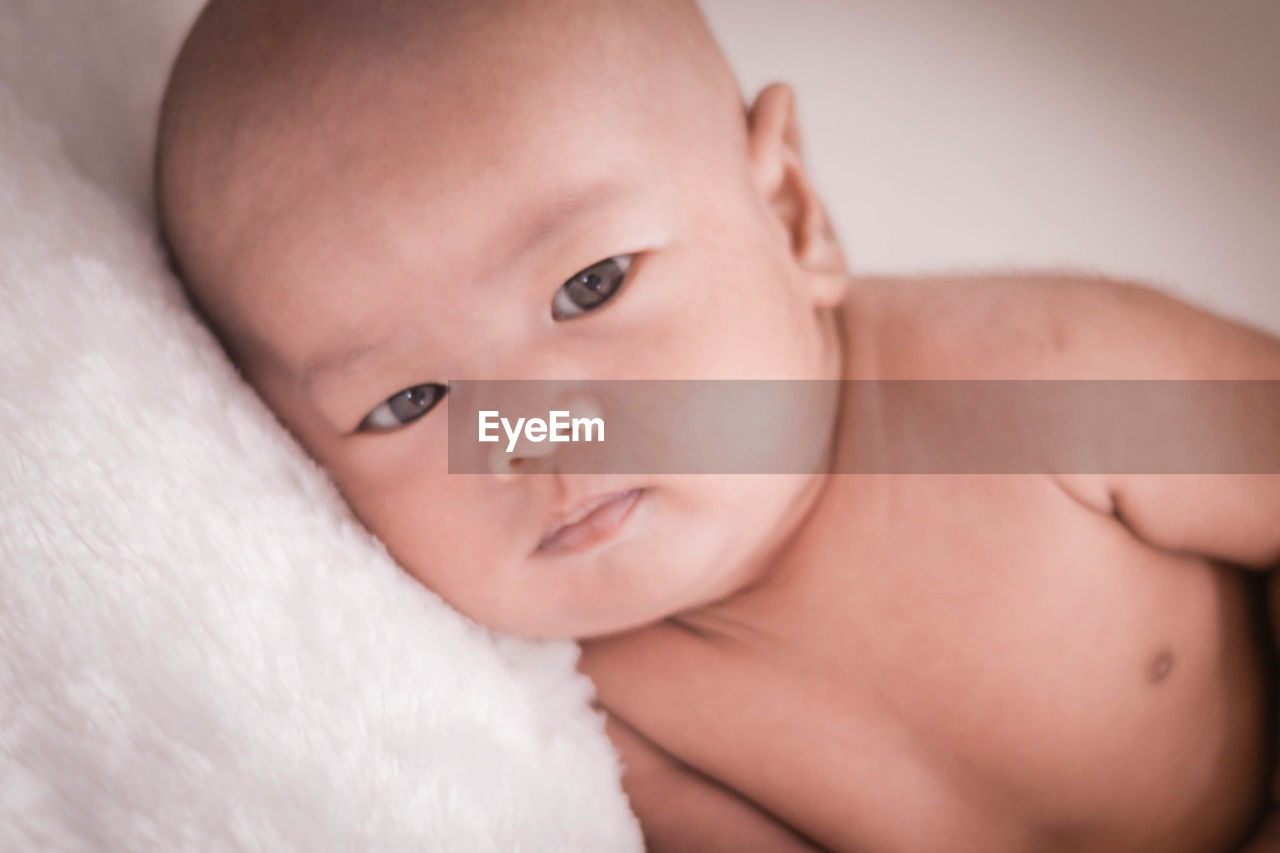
{"points": [[1134, 333], [680, 809], [1232, 518], [1267, 839]]}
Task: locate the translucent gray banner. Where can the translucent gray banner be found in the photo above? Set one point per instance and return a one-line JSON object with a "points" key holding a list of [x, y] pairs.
{"points": [[864, 427]]}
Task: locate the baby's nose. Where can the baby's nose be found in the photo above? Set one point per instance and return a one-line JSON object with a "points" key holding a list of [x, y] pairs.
{"points": [[522, 459], [543, 445]]}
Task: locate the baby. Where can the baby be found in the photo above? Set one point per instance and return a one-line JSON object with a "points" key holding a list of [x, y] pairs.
{"points": [[370, 200]]}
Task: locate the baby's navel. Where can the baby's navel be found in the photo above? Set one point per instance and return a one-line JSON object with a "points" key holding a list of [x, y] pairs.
{"points": [[1161, 665]]}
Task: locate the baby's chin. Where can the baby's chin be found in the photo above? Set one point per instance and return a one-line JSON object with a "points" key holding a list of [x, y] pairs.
{"points": [[669, 556]]}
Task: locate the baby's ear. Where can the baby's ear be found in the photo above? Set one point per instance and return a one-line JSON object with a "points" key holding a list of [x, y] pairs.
{"points": [[777, 168]]}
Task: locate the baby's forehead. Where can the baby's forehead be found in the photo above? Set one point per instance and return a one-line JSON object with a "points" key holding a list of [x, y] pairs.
{"points": [[368, 248], [334, 70], [326, 123]]}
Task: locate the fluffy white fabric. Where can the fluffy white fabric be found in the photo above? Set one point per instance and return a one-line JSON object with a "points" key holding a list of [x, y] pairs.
{"points": [[198, 648]]}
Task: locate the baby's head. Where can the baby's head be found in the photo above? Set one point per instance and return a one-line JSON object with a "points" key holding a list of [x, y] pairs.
{"points": [[368, 200]]}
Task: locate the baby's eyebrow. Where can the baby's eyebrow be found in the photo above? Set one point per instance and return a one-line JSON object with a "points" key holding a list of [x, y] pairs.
{"points": [[550, 218], [334, 361]]}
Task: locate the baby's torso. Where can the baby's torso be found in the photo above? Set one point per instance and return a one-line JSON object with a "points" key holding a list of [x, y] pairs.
{"points": [[969, 663], [978, 664]]}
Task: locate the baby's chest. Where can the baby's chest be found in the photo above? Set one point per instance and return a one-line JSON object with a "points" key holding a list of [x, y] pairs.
{"points": [[988, 683]]}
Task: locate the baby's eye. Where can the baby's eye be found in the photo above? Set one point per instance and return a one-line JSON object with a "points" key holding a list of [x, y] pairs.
{"points": [[591, 288], [404, 407]]}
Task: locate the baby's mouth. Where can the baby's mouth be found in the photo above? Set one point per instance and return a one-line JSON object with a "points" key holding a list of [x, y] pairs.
{"points": [[594, 522]]}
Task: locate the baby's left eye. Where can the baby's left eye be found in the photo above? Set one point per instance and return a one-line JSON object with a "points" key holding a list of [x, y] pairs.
{"points": [[590, 288], [403, 408]]}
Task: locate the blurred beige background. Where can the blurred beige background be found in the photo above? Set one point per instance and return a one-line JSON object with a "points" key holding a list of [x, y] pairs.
{"points": [[1138, 138]]}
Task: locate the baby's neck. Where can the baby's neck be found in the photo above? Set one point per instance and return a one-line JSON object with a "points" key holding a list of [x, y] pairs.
{"points": [[847, 352]]}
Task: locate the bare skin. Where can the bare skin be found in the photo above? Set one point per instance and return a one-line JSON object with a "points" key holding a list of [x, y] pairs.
{"points": [[992, 663], [371, 200]]}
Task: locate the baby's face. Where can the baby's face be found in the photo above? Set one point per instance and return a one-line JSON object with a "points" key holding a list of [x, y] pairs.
{"points": [[407, 241]]}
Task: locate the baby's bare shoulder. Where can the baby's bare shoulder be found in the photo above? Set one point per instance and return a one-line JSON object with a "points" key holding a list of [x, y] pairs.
{"points": [[1047, 325]]}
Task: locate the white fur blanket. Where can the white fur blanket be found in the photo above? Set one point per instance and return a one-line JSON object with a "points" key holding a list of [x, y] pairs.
{"points": [[199, 650]]}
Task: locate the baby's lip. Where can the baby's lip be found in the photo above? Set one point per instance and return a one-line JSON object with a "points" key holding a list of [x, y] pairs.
{"points": [[590, 523]]}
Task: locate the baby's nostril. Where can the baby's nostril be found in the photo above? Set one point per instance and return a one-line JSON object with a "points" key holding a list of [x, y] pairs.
{"points": [[503, 465]]}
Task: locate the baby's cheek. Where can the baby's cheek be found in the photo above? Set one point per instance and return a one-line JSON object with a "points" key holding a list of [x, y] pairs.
{"points": [[440, 538], [423, 515], [399, 497]]}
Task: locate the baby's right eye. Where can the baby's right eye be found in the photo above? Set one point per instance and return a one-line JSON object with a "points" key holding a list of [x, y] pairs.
{"points": [[403, 408]]}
